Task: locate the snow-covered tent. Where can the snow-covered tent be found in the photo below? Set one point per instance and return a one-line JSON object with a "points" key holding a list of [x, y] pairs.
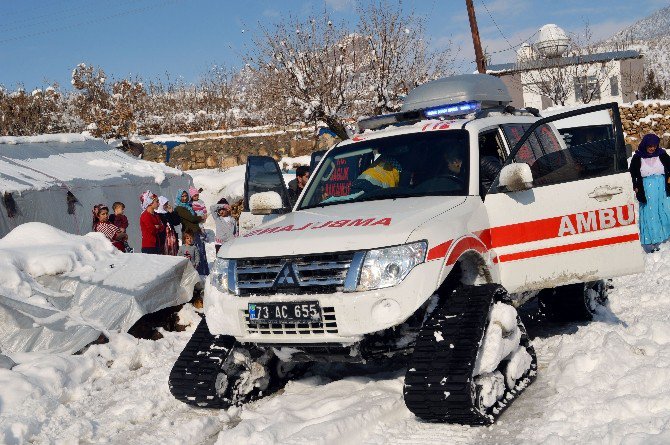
{"points": [[36, 174]]}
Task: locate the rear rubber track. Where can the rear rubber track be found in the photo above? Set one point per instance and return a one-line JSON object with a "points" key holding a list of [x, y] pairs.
{"points": [[439, 385]]}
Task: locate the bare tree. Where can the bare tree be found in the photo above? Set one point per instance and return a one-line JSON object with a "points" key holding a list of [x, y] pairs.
{"points": [[307, 67], [397, 55], [23, 114]]}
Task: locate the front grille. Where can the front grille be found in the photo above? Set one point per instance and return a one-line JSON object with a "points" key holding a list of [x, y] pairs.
{"points": [[328, 325], [319, 273]]}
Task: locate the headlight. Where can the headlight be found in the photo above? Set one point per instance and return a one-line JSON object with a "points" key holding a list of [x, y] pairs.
{"points": [[219, 275], [388, 267]]}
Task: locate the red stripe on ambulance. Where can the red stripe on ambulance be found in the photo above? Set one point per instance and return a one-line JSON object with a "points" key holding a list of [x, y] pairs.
{"points": [[540, 230]]}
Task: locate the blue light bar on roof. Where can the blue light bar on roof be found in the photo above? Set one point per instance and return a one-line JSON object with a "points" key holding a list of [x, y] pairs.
{"points": [[458, 109]]}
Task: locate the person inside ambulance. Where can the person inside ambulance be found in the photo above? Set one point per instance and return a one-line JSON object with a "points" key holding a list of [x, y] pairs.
{"points": [[443, 169], [385, 172]]}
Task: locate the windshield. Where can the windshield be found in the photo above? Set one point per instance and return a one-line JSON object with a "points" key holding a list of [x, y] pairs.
{"points": [[417, 164]]}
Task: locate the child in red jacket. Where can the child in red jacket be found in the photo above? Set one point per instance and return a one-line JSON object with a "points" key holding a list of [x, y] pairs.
{"points": [[121, 221]]}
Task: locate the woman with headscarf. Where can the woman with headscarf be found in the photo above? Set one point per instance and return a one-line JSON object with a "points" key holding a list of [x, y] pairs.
{"points": [[650, 170], [150, 224], [190, 223]]}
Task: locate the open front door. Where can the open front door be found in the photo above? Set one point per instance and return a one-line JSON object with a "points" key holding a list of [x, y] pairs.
{"points": [[577, 223], [315, 158], [262, 175]]}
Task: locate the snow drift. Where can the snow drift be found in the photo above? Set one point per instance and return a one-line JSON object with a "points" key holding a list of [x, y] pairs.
{"points": [[59, 291], [600, 382]]}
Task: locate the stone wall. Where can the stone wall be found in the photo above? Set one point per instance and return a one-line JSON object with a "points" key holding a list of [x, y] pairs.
{"points": [[228, 150], [639, 119]]}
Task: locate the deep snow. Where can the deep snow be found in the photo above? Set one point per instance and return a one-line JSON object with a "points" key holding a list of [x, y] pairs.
{"points": [[600, 382]]}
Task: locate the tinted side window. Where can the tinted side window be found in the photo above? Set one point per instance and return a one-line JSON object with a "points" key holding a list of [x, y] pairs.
{"points": [[543, 152], [584, 152]]}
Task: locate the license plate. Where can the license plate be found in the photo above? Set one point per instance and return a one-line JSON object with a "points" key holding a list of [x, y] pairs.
{"points": [[306, 312]]}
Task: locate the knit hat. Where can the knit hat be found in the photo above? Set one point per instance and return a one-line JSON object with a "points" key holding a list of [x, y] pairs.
{"points": [[192, 191], [162, 200]]}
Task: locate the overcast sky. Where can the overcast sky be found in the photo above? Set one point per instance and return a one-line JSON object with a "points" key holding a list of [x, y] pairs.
{"points": [[42, 40]]}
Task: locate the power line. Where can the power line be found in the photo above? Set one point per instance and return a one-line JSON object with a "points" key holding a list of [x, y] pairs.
{"points": [[511, 47], [70, 12], [84, 23], [495, 23]]}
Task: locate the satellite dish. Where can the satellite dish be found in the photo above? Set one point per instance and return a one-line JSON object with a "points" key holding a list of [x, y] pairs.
{"points": [[552, 41]]}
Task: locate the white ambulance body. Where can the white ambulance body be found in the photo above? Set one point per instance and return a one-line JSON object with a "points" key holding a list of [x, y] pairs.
{"points": [[425, 229], [570, 230]]}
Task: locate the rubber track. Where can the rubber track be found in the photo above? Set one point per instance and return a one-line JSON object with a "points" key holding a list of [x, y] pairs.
{"points": [[193, 376], [439, 384]]}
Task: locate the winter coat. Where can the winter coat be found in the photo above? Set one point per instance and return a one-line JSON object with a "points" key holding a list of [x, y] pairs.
{"points": [[226, 227], [120, 221], [189, 221], [190, 252], [169, 243], [111, 232], [293, 190], [634, 169], [151, 227]]}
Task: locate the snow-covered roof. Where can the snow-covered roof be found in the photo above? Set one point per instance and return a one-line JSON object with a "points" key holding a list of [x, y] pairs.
{"points": [[40, 171], [40, 162], [562, 61]]}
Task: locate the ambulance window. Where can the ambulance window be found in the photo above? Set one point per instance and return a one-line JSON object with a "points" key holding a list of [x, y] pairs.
{"points": [[548, 158]]}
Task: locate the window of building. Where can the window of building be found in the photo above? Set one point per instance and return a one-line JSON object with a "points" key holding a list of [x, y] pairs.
{"points": [[614, 86], [587, 88]]}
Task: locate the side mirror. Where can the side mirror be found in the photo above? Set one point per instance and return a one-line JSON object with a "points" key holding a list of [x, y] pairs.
{"points": [[264, 203], [516, 177]]}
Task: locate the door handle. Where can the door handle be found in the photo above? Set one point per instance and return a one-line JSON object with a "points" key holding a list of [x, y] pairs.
{"points": [[605, 192]]}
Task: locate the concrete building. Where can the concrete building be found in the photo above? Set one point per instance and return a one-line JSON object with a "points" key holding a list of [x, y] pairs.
{"points": [[545, 74]]}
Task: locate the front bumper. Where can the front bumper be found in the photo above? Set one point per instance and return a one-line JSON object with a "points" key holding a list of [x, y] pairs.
{"points": [[347, 317]]}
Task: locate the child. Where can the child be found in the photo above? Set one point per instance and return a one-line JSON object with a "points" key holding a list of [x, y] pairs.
{"points": [[121, 221], [101, 224], [226, 226], [188, 250], [198, 206]]}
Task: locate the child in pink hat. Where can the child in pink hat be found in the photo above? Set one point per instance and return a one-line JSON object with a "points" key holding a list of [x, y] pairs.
{"points": [[198, 206]]}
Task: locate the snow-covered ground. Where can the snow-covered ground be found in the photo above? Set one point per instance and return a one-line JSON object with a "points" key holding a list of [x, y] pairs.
{"points": [[601, 382]]}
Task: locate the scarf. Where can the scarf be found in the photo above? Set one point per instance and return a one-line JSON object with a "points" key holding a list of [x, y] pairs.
{"points": [[186, 205], [647, 140]]}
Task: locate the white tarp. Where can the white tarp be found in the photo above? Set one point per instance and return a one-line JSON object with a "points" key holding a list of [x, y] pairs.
{"points": [[59, 292], [39, 171]]}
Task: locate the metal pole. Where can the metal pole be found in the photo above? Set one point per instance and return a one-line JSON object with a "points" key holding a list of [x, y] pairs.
{"points": [[479, 54]]}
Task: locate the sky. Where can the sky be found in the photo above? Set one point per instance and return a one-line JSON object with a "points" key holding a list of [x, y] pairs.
{"points": [[41, 41]]}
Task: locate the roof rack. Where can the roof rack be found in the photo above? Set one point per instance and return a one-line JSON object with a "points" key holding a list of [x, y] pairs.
{"points": [[453, 97]]}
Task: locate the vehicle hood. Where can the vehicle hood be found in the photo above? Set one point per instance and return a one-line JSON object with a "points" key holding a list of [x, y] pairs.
{"points": [[340, 228]]}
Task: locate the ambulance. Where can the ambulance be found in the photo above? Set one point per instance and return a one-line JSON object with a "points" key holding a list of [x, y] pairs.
{"points": [[414, 242]]}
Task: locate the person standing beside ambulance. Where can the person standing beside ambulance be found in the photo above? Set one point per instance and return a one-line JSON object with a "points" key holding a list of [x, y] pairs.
{"points": [[650, 170]]}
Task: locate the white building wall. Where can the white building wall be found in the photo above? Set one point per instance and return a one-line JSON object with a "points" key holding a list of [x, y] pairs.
{"points": [[624, 73]]}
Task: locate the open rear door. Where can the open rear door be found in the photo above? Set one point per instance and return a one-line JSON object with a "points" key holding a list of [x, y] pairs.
{"points": [[578, 221], [262, 175]]}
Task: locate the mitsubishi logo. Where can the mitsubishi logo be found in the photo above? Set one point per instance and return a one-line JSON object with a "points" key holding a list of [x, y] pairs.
{"points": [[287, 276]]}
